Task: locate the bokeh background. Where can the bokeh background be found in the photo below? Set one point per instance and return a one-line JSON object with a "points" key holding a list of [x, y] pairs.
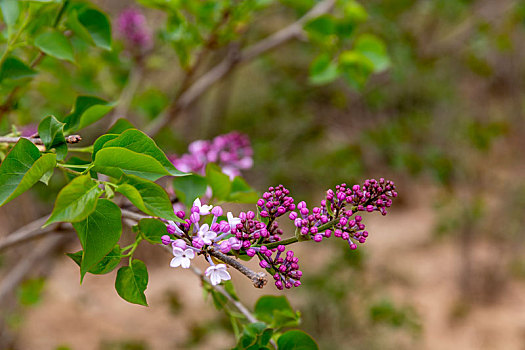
{"points": [[445, 269]]}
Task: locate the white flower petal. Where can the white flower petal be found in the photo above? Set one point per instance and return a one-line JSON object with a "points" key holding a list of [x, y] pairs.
{"points": [[177, 252], [189, 253], [197, 202], [185, 263], [175, 262], [215, 279], [224, 275]]}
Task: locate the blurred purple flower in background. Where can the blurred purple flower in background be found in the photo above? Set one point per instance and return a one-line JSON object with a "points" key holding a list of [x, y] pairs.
{"points": [[232, 152], [132, 26]]}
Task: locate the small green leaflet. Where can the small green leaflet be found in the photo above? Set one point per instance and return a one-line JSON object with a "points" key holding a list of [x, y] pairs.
{"points": [[132, 281], [76, 201]]}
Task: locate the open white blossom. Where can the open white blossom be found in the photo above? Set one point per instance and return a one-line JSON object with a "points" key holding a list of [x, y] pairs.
{"points": [[206, 234], [232, 220], [203, 209], [182, 257], [217, 273]]}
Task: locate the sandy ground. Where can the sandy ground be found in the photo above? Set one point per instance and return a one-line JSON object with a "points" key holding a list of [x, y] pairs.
{"points": [[83, 317]]}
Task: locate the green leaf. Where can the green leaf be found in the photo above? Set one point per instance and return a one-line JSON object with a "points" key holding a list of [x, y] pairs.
{"points": [[99, 143], [76, 201], [132, 281], [87, 110], [51, 132], [355, 68], [219, 182], [241, 192], [139, 142], [22, 168], [147, 196], [77, 27], [14, 69], [152, 229], [276, 311], [321, 26], [106, 265], [188, 188], [54, 43], [10, 12], [296, 340], [98, 233], [120, 126], [323, 70], [116, 161], [97, 25], [374, 49]]}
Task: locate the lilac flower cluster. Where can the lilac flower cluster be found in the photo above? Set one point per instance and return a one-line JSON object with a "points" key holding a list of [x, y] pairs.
{"points": [[232, 152], [132, 26], [253, 234], [283, 266], [195, 237]]}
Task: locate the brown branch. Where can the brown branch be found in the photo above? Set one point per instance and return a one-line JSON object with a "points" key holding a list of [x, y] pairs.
{"points": [[201, 85], [37, 141], [258, 278], [27, 233]]}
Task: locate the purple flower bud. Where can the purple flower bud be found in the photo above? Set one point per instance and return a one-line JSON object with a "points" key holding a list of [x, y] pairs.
{"points": [[318, 237], [356, 188], [181, 214], [235, 243], [165, 239], [217, 211], [304, 211], [279, 285], [225, 247], [297, 283], [327, 233], [263, 264], [260, 202], [195, 217], [313, 230], [358, 218], [250, 252], [353, 246], [224, 226], [171, 229], [179, 243], [302, 204], [250, 215], [195, 209], [263, 249], [264, 214], [281, 210], [304, 230], [369, 208], [281, 248], [198, 242]]}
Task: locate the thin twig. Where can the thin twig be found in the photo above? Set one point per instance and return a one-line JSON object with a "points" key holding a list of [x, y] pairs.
{"points": [[202, 84], [27, 233], [37, 141], [258, 278]]}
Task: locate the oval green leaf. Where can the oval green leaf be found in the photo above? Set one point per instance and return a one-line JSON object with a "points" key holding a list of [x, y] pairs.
{"points": [[22, 168], [132, 281], [116, 161], [98, 233], [106, 265], [152, 229], [55, 44], [76, 201], [296, 340], [98, 26], [148, 197]]}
